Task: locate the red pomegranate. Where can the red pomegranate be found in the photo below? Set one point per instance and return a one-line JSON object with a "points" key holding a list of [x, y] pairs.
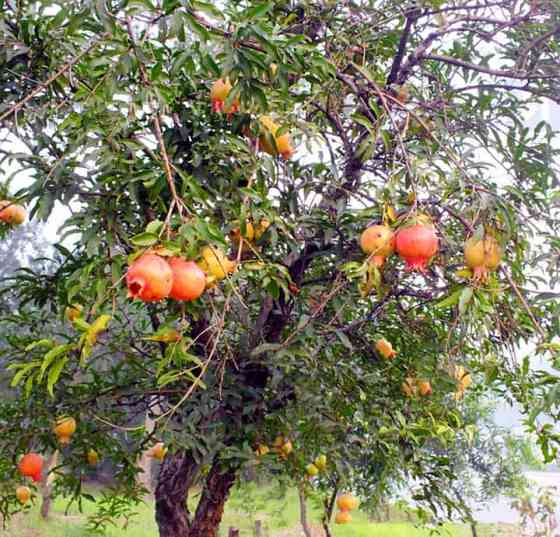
{"points": [[189, 280], [31, 465], [149, 278], [417, 244]]}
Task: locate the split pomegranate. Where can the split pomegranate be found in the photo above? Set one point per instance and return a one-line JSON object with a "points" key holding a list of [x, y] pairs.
{"points": [[417, 244], [219, 94], [11, 213], [64, 429], [189, 280], [482, 256], [31, 465], [378, 242], [149, 278]]}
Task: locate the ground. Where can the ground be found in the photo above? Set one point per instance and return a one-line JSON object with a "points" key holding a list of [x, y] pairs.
{"points": [[279, 517]]}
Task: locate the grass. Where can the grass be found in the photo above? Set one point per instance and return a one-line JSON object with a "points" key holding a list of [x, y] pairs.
{"points": [[279, 514]]}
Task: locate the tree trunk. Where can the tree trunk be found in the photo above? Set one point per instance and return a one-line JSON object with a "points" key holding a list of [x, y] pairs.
{"points": [[176, 475], [211, 506], [46, 485], [303, 511], [258, 528], [473, 529], [233, 532]]}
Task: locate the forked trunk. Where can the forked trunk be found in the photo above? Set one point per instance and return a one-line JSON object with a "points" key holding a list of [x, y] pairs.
{"points": [[176, 476], [211, 506]]}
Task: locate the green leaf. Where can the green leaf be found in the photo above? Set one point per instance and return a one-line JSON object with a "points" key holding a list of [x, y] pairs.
{"points": [[264, 348], [257, 11], [51, 356], [144, 239], [54, 374]]}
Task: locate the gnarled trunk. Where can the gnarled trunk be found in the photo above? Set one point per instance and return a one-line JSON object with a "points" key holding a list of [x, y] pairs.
{"points": [[211, 506], [176, 476]]}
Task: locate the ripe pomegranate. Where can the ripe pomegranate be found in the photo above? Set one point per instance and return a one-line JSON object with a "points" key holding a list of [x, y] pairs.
{"points": [[482, 256], [385, 348], [378, 242], [347, 502], [149, 278], [219, 94], [343, 517], [23, 494], [189, 281], [11, 213], [64, 429], [31, 465], [417, 244]]}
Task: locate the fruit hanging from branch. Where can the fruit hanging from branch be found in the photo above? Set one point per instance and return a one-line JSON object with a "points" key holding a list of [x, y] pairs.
{"points": [[23, 494], [417, 244], [64, 429], [11, 213], [219, 94], [158, 451], [482, 255], [311, 470], [424, 388], [272, 143], [385, 348], [149, 278], [378, 242], [321, 462], [31, 465], [189, 280], [343, 517], [347, 502]]}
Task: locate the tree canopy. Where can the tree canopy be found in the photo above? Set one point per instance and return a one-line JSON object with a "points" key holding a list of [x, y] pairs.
{"points": [[260, 139]]}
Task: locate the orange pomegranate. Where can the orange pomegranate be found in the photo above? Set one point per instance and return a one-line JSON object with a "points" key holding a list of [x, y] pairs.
{"points": [[149, 278], [417, 244], [189, 280], [378, 242], [385, 348], [11, 213], [23, 494], [343, 517], [482, 256], [425, 388], [347, 502], [31, 465], [219, 94], [283, 142], [64, 429]]}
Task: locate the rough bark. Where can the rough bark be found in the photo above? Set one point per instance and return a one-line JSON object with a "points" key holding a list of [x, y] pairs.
{"points": [[176, 475], [211, 506], [46, 485]]}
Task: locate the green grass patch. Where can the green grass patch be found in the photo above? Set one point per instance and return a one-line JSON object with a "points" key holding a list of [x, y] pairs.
{"points": [[278, 512]]}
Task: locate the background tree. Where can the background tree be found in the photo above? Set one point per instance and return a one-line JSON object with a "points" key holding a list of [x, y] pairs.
{"points": [[401, 114]]}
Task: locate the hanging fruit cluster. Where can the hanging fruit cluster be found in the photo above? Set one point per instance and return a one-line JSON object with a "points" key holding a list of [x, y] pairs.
{"points": [[270, 139], [345, 503], [152, 278], [11, 213]]}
